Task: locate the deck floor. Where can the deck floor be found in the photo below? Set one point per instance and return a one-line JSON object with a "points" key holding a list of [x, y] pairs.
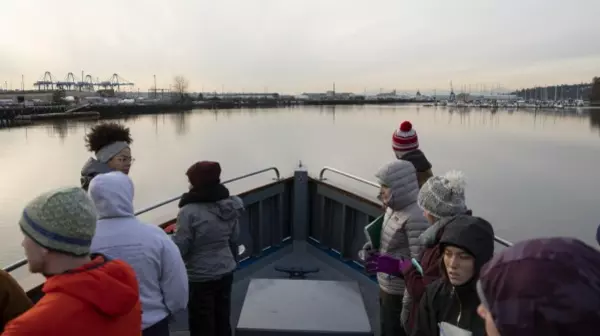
{"points": [[298, 254]]}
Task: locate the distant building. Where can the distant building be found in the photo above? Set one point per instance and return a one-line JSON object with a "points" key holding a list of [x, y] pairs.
{"points": [[240, 95], [329, 95]]}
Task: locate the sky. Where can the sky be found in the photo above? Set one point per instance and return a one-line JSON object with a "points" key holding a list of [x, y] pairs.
{"points": [[295, 46]]}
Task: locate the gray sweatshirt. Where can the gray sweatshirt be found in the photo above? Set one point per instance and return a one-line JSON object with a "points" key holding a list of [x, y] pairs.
{"points": [[204, 232]]}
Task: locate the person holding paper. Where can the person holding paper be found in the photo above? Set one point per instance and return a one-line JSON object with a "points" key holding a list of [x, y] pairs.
{"points": [[548, 286], [401, 227], [452, 300]]}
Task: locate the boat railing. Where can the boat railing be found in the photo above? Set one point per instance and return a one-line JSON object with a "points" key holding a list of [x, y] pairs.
{"points": [[499, 240], [348, 175], [23, 261]]}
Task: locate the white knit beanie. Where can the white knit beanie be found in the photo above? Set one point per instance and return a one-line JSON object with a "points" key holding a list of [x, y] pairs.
{"points": [[444, 196]]}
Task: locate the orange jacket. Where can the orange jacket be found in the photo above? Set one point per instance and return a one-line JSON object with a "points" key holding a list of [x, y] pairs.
{"points": [[100, 298]]}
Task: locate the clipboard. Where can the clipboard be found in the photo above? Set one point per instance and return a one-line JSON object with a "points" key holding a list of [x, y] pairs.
{"points": [[373, 232]]}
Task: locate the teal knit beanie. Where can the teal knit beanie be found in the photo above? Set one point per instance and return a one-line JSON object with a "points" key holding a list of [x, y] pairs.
{"points": [[62, 220]]}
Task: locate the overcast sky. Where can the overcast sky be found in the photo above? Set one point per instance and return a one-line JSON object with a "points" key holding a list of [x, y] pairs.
{"points": [[303, 45]]}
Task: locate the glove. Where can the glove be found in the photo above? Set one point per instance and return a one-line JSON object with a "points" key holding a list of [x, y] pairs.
{"points": [[387, 264]]}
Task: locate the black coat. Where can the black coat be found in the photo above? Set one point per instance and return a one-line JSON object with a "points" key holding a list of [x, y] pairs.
{"points": [[443, 302]]}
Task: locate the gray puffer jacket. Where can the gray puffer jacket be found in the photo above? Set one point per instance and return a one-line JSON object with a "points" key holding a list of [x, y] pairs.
{"points": [[204, 235], [403, 222]]}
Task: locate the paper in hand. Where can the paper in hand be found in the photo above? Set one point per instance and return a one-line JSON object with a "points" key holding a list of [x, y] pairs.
{"points": [[447, 329]]}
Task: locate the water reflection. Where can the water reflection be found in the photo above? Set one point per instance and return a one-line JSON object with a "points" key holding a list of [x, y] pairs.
{"points": [[595, 119], [180, 122], [520, 160]]}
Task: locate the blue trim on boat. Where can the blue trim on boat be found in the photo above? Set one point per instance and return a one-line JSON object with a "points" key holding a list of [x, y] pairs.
{"points": [[266, 252], [327, 251], [336, 255]]}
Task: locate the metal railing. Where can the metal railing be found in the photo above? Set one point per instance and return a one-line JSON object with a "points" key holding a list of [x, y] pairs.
{"points": [[499, 240], [348, 175], [23, 261]]}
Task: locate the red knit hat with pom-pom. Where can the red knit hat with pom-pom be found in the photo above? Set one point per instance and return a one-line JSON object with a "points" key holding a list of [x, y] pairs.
{"points": [[404, 139]]}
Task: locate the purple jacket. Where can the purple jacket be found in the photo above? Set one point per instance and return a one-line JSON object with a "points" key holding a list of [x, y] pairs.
{"points": [[545, 286]]}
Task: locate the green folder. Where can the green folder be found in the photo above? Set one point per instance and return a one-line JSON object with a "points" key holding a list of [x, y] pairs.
{"points": [[373, 232]]}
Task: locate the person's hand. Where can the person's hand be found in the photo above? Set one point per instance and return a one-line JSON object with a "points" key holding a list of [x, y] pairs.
{"points": [[384, 263], [366, 252]]}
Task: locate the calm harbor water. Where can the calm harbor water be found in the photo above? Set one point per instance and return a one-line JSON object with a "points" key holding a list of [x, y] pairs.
{"points": [[530, 174]]}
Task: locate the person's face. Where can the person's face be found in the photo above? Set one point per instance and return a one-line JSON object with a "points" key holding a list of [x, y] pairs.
{"points": [[35, 254], [385, 194], [122, 161], [490, 326], [460, 265]]}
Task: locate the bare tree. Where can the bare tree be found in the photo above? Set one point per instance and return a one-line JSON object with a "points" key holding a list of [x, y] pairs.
{"points": [[181, 85]]}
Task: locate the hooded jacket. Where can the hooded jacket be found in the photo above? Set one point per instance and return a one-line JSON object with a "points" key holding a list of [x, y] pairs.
{"points": [[207, 228], [91, 168], [457, 305], [98, 299], [156, 260], [430, 259], [421, 164], [403, 222], [547, 286]]}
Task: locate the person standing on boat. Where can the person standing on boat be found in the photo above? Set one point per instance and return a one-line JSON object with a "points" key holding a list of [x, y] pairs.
{"points": [[206, 232], [13, 299], [110, 142], [442, 199], [84, 294], [467, 244], [155, 258], [539, 287], [403, 223], [405, 144]]}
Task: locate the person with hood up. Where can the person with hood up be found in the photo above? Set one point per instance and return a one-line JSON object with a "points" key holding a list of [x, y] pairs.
{"points": [[155, 258], [405, 144], [13, 299], [467, 244], [206, 233], [441, 198], [548, 286], [84, 294], [110, 142], [403, 223]]}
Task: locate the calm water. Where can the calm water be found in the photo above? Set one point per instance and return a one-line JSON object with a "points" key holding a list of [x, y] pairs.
{"points": [[529, 174]]}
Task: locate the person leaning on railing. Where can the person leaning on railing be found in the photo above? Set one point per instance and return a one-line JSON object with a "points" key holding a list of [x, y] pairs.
{"points": [[13, 299]]}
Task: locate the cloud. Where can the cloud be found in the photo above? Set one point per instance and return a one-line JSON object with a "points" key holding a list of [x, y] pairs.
{"points": [[294, 45]]}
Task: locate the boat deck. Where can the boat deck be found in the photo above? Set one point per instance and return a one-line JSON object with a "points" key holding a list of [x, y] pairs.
{"points": [[294, 254]]}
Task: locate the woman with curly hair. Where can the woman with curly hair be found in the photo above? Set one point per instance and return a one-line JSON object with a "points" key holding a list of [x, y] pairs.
{"points": [[110, 143]]}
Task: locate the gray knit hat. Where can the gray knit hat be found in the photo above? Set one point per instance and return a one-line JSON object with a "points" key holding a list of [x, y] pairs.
{"points": [[443, 196], [62, 220]]}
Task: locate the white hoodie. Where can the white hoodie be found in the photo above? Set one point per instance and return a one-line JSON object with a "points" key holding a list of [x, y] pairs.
{"points": [[160, 271]]}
